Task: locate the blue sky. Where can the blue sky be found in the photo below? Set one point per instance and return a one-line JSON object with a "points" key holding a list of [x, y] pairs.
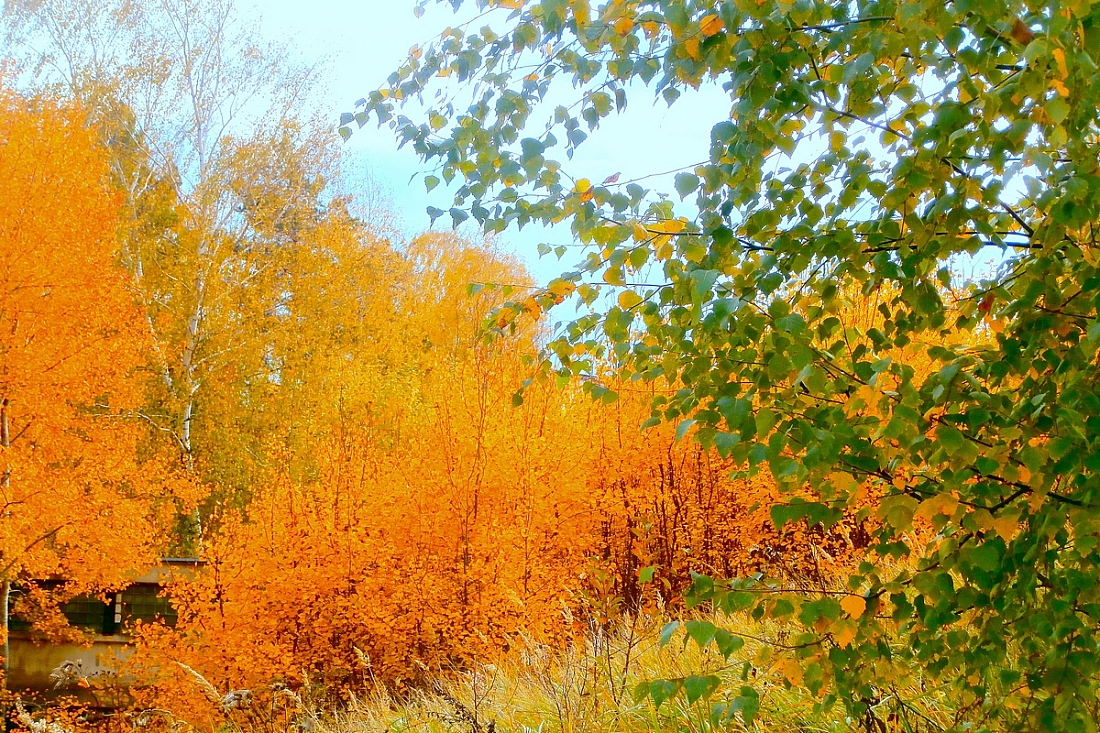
{"points": [[363, 41]]}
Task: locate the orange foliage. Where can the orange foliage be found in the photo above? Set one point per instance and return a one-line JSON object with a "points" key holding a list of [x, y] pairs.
{"points": [[439, 520], [674, 507], [76, 502]]}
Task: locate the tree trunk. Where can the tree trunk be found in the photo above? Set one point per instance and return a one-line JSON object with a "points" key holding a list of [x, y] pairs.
{"points": [[5, 591], [5, 443]]}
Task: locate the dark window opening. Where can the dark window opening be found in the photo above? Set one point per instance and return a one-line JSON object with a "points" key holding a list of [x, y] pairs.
{"points": [[88, 612], [140, 602], [145, 603]]}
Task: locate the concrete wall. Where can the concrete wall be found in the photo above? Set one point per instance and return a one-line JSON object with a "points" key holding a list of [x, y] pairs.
{"points": [[32, 662]]}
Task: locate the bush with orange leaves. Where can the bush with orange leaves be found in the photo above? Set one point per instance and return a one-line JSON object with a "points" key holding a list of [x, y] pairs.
{"points": [[439, 520], [670, 508]]}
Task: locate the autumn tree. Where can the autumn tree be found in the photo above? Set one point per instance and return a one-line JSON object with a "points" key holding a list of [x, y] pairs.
{"points": [[420, 523], [77, 500], [869, 146], [230, 197]]}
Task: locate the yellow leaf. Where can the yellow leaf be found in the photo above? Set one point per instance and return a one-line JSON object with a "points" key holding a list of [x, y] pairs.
{"points": [[1059, 87], [584, 188], [711, 24], [695, 252], [1006, 527], [1060, 59], [561, 288], [842, 482], [860, 399], [614, 276], [640, 232], [651, 29], [629, 299], [691, 46], [791, 126], [854, 606], [532, 307], [580, 10], [844, 633], [792, 670], [669, 226], [623, 25], [945, 504]]}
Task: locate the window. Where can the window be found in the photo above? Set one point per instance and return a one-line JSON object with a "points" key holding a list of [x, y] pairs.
{"points": [[143, 602], [139, 602], [88, 612]]}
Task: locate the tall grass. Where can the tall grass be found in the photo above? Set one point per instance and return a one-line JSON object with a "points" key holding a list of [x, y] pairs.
{"points": [[589, 687], [585, 687]]}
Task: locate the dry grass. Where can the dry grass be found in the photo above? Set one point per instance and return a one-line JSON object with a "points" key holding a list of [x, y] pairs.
{"points": [[589, 687]]}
